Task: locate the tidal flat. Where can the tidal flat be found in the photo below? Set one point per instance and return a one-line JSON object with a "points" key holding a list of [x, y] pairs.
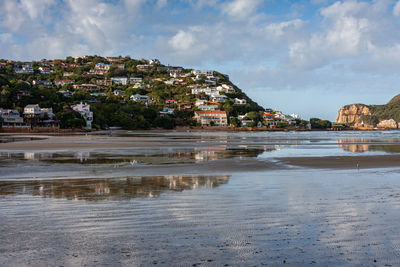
{"points": [[164, 198]]}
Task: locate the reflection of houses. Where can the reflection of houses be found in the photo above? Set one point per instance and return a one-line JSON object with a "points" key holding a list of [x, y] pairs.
{"points": [[218, 118], [84, 110], [112, 189]]}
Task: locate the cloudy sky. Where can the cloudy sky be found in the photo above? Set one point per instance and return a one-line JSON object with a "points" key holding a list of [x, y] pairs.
{"points": [[305, 57]]}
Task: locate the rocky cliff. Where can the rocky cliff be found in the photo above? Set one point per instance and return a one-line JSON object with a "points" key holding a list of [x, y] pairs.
{"points": [[371, 116]]}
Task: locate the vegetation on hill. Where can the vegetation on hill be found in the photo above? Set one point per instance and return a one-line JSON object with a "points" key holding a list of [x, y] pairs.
{"points": [[18, 89]]}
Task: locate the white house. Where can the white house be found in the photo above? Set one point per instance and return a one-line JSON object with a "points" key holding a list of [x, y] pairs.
{"points": [[167, 110], [119, 80], [45, 70], [218, 117], [139, 98], [200, 102], [239, 101], [208, 91], [32, 110], [203, 72], [135, 80], [208, 107], [219, 98], [84, 110]]}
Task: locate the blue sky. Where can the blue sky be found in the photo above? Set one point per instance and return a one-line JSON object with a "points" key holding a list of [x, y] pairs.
{"points": [[305, 57]]}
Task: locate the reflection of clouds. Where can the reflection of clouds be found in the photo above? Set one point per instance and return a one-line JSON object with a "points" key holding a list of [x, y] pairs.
{"points": [[112, 189]]}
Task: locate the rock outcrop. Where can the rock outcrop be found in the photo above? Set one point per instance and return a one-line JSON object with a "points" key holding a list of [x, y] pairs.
{"points": [[351, 114], [371, 116], [387, 124]]}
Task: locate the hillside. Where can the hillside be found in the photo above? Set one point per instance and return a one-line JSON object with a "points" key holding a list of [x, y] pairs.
{"points": [[102, 92], [371, 116]]}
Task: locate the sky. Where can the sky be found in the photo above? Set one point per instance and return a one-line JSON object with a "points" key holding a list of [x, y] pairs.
{"points": [[305, 57]]}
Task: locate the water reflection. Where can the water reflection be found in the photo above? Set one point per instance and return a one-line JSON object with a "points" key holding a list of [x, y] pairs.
{"points": [[360, 146], [110, 188], [148, 157]]}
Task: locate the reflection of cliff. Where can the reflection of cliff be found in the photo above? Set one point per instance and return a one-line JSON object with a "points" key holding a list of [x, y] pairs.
{"points": [[352, 146], [355, 146], [110, 188]]}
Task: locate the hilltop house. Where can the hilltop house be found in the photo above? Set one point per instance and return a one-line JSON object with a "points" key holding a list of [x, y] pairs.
{"points": [[144, 67], [26, 68], [203, 72], [100, 69], [84, 110], [45, 70], [219, 98], [119, 92], [217, 117], [40, 82], [135, 80]]}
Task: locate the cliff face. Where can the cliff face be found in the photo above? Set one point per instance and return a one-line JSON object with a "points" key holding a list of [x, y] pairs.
{"points": [[351, 114], [363, 116]]}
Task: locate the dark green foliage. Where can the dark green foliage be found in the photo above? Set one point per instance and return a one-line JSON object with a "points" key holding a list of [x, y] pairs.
{"points": [[317, 123]]}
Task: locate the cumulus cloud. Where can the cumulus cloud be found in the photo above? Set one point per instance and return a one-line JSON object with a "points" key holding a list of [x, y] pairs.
{"points": [[240, 9], [396, 9]]}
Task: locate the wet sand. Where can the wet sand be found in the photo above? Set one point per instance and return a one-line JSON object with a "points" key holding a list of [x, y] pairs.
{"points": [[201, 199], [349, 162]]}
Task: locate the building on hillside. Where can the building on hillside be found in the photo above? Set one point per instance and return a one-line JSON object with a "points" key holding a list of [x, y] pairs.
{"points": [[144, 67], [170, 69], [119, 80], [200, 102], [167, 111], [140, 98], [48, 112], [45, 70], [105, 82], [63, 82], [26, 68], [208, 91], [135, 80], [154, 62], [203, 72], [115, 59], [217, 117], [32, 111], [219, 98], [66, 93], [119, 92], [226, 88], [87, 87], [100, 69], [84, 110], [67, 74], [239, 101], [207, 107], [11, 118], [40, 82], [210, 82], [171, 101]]}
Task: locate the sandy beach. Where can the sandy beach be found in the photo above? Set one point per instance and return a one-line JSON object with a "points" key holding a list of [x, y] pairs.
{"points": [[200, 199]]}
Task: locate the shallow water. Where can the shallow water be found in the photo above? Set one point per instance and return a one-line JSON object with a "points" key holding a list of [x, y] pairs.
{"points": [[101, 207]]}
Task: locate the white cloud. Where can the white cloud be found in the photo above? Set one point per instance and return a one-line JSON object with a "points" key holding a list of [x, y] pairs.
{"points": [[241, 9], [396, 9], [182, 41]]}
